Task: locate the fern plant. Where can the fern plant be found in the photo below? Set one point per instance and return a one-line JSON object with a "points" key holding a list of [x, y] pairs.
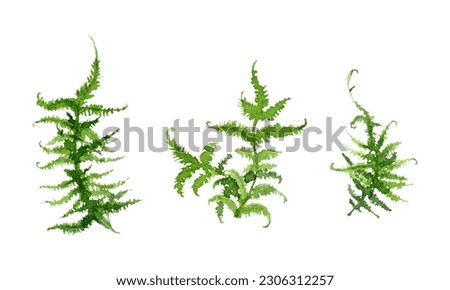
{"points": [[77, 147], [239, 189], [373, 173]]}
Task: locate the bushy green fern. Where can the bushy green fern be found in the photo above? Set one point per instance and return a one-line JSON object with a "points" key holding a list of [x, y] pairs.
{"points": [[77, 147], [240, 189], [373, 174]]}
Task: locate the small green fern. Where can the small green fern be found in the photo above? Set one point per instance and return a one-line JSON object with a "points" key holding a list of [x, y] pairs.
{"points": [[78, 147], [239, 189], [374, 172]]}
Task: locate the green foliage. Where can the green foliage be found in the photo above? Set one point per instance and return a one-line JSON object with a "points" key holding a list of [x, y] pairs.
{"points": [[239, 189], [77, 147], [373, 173]]}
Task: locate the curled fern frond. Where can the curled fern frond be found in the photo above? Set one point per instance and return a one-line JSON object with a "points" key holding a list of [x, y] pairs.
{"points": [[373, 169]]}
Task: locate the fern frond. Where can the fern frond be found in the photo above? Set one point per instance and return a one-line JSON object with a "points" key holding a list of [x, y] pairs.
{"points": [[97, 194], [99, 160], [262, 155], [104, 221], [236, 188], [60, 161], [200, 181], [383, 134], [266, 154], [258, 209], [56, 105], [78, 147], [76, 227], [252, 111], [279, 131], [265, 189], [206, 156], [236, 176], [230, 186], [373, 172], [235, 129], [272, 112], [231, 205], [221, 165], [58, 139], [266, 174], [376, 201], [99, 110], [115, 206], [360, 203], [60, 186], [61, 150], [185, 173], [92, 83], [62, 123], [261, 96], [179, 152], [358, 142], [219, 211], [94, 176], [110, 185], [68, 197], [259, 167], [245, 152]]}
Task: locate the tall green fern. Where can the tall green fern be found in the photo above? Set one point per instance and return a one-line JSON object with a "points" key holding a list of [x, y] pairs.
{"points": [[373, 173], [239, 189], [77, 147]]}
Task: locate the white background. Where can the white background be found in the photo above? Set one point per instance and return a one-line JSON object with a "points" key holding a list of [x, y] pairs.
{"points": [[191, 59]]}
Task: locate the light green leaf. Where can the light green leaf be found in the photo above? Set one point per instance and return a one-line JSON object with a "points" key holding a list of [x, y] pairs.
{"points": [[258, 209]]}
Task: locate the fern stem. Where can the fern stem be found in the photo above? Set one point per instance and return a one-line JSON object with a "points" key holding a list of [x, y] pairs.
{"points": [[255, 123]]}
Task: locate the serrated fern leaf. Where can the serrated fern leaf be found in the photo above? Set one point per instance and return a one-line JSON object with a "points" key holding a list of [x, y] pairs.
{"points": [[279, 131], [104, 221], [60, 186], [60, 161], [264, 189], [185, 173], [258, 209], [60, 122], [92, 83], [268, 174], [222, 163], [261, 96], [99, 110], [69, 196], [110, 185], [231, 205], [219, 211], [272, 112], [206, 156], [199, 182], [259, 156], [234, 129], [240, 183], [76, 227], [252, 111], [259, 167], [58, 104], [179, 152]]}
